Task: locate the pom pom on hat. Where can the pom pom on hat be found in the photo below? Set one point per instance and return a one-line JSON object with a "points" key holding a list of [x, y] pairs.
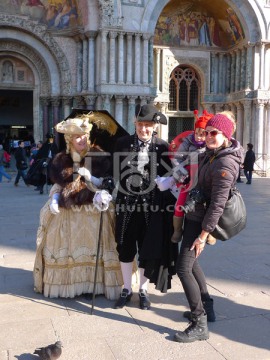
{"points": [[222, 123], [202, 120]]}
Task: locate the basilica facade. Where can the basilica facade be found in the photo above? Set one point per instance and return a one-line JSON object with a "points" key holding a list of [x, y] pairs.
{"points": [[180, 55]]}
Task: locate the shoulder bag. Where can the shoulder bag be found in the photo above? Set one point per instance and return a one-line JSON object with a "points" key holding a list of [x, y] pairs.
{"points": [[234, 217]]}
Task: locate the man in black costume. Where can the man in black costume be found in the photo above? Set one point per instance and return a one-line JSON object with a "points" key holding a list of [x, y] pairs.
{"points": [[44, 155], [144, 213]]}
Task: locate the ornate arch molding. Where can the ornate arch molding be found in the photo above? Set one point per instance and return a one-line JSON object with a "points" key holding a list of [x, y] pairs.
{"points": [[40, 32], [13, 47], [250, 15]]}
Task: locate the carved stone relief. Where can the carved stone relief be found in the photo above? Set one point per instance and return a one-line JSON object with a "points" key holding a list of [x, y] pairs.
{"points": [[110, 13], [40, 31], [28, 53]]}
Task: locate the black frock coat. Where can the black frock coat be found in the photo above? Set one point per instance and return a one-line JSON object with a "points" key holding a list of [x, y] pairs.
{"points": [[158, 254]]}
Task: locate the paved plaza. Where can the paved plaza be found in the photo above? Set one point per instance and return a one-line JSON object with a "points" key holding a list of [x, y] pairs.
{"points": [[238, 275]]}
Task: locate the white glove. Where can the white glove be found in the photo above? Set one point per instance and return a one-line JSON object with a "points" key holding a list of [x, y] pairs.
{"points": [[54, 204], [102, 199], [88, 177], [165, 183]]}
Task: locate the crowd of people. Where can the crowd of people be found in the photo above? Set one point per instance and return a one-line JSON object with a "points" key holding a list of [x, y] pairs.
{"points": [[135, 207]]}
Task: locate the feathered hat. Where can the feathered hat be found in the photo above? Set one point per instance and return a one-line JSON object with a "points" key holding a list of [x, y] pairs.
{"points": [[201, 121], [82, 124]]}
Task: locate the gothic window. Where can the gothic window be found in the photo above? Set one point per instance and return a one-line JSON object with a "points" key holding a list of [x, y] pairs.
{"points": [[184, 89]]}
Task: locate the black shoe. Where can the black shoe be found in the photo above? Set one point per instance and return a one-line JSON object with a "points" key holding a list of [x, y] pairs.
{"points": [[15, 184], [239, 181], [41, 191], [197, 330], [144, 300], [248, 182], [123, 300]]}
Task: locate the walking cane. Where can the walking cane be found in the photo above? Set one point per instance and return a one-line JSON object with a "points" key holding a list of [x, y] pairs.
{"points": [[96, 268]]}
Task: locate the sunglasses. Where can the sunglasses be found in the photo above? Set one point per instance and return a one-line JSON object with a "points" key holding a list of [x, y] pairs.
{"points": [[212, 133]]}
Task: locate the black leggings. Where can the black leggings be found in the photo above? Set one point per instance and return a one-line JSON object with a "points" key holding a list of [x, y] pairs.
{"points": [[189, 271]]}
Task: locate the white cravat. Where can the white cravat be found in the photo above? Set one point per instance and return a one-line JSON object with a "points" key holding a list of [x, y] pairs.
{"points": [[143, 157]]}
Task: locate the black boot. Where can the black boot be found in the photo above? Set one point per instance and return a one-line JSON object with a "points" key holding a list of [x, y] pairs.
{"points": [[197, 330], [209, 309]]}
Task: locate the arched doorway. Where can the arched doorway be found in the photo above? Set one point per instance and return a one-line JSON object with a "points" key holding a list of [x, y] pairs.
{"points": [[16, 100]]}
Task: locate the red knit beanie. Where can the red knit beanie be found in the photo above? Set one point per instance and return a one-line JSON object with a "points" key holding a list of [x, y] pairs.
{"points": [[202, 120], [222, 123]]}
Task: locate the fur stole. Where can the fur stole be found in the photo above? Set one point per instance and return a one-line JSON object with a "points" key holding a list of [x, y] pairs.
{"points": [[74, 190]]}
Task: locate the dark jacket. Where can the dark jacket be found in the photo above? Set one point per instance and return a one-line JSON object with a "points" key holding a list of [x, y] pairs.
{"points": [[218, 172], [249, 160], [21, 160], [158, 253]]}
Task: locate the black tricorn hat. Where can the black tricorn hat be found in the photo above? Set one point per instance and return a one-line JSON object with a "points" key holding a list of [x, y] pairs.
{"points": [[99, 135], [149, 113]]}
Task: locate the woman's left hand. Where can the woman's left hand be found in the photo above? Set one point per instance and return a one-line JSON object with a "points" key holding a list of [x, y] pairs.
{"points": [[198, 245]]}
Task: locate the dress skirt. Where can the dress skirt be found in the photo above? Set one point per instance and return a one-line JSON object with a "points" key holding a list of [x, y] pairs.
{"points": [[67, 250]]}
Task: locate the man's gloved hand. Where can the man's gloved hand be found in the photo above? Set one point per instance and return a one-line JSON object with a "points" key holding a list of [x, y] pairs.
{"points": [[88, 177], [102, 200], [165, 183], [54, 204]]}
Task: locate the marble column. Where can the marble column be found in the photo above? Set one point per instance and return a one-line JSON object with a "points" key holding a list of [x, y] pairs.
{"points": [[249, 61], [119, 109], [55, 112], [258, 127], [45, 118], [84, 64], [157, 67], [129, 59], [262, 55], [90, 101], [91, 60], [79, 64], [212, 72], [228, 74], [243, 69], [145, 58], [67, 103], [151, 62], [232, 85], [239, 127], [106, 102], [246, 121], [103, 58], [237, 70], [120, 58], [131, 113], [220, 73], [267, 139], [137, 70], [112, 36]]}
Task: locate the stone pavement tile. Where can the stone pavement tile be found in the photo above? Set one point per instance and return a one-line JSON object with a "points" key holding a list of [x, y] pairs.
{"points": [[4, 355], [148, 346], [23, 308], [242, 339], [27, 334]]}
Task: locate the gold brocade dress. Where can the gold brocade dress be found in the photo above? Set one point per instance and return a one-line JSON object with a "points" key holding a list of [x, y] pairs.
{"points": [[67, 242]]}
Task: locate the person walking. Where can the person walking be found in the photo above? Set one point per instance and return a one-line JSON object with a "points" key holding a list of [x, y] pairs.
{"points": [[218, 172], [21, 163], [141, 222], [249, 162], [44, 156], [2, 168]]}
